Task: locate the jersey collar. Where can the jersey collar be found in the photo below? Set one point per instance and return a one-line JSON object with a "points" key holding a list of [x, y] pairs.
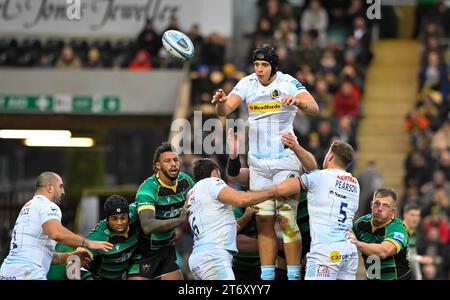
{"points": [[172, 187], [380, 226]]}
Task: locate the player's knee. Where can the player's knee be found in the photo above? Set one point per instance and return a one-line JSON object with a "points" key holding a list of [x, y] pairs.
{"points": [[288, 224]]}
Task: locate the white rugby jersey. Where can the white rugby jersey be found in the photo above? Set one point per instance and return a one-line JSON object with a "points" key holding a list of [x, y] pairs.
{"points": [[268, 119], [212, 221], [29, 243], [333, 199]]}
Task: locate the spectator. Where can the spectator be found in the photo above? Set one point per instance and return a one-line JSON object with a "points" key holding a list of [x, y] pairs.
{"points": [[364, 38], [93, 60], [214, 51], [198, 41], [347, 100], [315, 19], [441, 139], [68, 60], [307, 53], [149, 39], [345, 131], [434, 73], [141, 61], [370, 179], [323, 97], [284, 36]]}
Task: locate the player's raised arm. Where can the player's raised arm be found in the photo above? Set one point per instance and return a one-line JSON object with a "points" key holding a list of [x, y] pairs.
{"points": [[234, 171], [306, 158], [225, 104], [304, 101]]}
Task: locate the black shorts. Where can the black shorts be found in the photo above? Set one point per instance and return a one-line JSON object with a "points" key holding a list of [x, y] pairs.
{"points": [[255, 274], [249, 274], [154, 263]]}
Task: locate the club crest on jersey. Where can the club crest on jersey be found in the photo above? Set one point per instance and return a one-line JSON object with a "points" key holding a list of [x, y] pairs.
{"points": [[146, 268], [275, 93], [291, 175]]}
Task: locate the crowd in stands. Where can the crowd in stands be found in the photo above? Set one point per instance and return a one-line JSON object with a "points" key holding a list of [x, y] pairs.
{"points": [[427, 180]]}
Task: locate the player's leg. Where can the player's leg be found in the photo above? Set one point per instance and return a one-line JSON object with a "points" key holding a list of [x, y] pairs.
{"points": [[168, 265], [265, 223], [322, 262], [306, 244], [287, 220], [316, 270], [21, 272], [211, 265], [349, 265], [261, 179], [175, 275]]}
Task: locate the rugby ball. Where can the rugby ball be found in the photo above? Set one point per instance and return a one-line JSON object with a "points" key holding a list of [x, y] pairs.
{"points": [[178, 44]]}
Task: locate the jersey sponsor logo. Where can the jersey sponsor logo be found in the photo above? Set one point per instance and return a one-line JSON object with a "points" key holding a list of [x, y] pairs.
{"points": [[338, 194], [398, 236], [173, 212], [335, 256], [322, 271], [24, 211], [264, 107], [347, 178], [275, 93], [53, 214], [297, 84]]}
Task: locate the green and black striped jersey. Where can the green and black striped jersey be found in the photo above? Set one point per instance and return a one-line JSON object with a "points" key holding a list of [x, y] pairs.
{"points": [[167, 202], [113, 263], [302, 214], [246, 260], [394, 267]]}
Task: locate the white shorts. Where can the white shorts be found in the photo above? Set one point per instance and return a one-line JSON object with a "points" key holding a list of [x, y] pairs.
{"points": [[266, 172], [22, 272], [332, 261], [211, 265]]}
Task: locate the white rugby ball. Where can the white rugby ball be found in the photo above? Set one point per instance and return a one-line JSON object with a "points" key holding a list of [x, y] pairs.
{"points": [[178, 44]]}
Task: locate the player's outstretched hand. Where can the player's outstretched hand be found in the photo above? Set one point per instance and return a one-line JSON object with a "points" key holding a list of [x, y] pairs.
{"points": [[249, 212], [84, 255], [219, 97], [289, 100], [184, 214], [289, 140], [99, 245], [233, 143]]}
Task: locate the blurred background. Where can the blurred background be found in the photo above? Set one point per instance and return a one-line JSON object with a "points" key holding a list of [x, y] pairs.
{"points": [[379, 72]]}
